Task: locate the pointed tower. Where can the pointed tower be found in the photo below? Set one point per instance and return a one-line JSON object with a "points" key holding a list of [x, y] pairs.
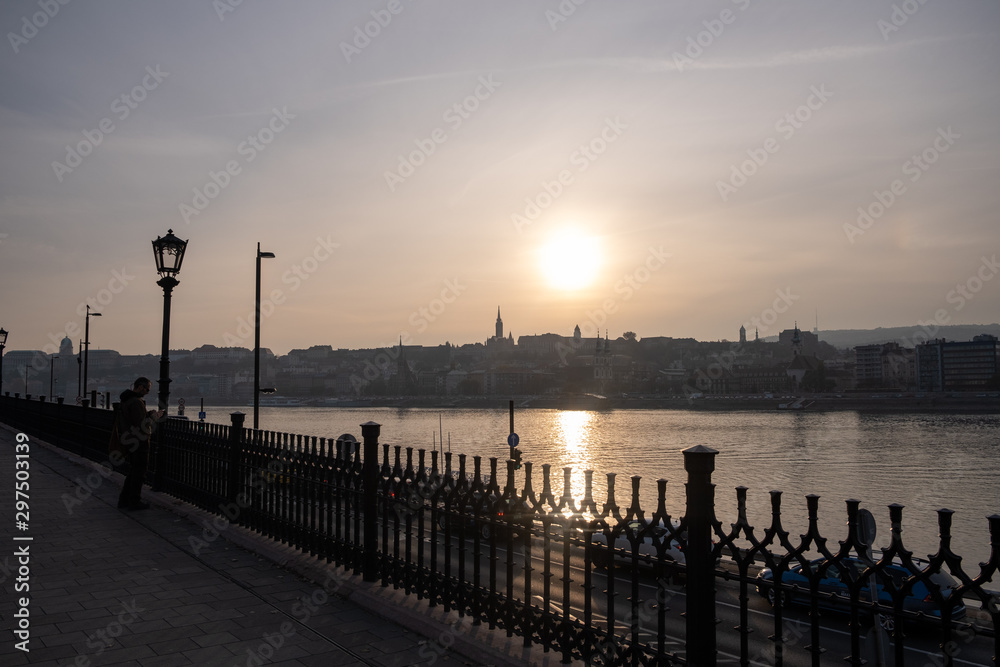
{"points": [[499, 325], [796, 341], [743, 334]]}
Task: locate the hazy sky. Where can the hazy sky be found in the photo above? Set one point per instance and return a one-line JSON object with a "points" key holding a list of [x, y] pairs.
{"points": [[412, 162]]}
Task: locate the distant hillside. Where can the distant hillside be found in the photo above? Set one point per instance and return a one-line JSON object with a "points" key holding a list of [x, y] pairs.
{"points": [[848, 338]]}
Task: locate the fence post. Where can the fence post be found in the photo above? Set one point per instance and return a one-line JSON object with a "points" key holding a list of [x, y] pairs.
{"points": [[159, 460], [235, 448], [699, 462], [369, 482]]}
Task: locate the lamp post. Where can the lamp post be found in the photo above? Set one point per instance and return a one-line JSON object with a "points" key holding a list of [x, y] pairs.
{"points": [[3, 344], [79, 373], [256, 341], [86, 346], [168, 251], [52, 370]]}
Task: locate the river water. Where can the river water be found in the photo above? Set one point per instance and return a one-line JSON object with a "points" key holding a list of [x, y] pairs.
{"points": [[922, 461]]}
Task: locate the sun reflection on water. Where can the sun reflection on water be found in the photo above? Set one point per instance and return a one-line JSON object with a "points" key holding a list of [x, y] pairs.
{"points": [[574, 434], [574, 431]]}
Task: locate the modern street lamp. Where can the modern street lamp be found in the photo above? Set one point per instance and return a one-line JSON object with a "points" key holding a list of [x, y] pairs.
{"points": [[52, 370], [168, 251], [79, 373], [256, 340], [86, 346], [3, 344]]}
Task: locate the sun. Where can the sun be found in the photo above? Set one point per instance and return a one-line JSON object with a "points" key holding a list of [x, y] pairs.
{"points": [[570, 260]]}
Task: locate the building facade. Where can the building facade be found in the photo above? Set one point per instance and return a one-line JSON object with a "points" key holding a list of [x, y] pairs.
{"points": [[956, 366], [884, 366]]}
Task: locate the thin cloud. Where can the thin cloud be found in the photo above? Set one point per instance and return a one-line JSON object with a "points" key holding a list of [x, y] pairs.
{"points": [[678, 61]]}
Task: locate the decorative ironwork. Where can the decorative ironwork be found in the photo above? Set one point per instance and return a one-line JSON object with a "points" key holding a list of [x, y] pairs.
{"points": [[592, 581]]}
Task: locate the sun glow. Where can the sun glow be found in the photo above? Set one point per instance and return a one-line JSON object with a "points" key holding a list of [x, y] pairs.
{"points": [[570, 261]]}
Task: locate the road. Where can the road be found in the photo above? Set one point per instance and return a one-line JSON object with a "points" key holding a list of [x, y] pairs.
{"points": [[612, 594], [921, 643]]}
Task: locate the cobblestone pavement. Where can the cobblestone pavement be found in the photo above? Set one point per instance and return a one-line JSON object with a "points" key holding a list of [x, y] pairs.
{"points": [[109, 587]]}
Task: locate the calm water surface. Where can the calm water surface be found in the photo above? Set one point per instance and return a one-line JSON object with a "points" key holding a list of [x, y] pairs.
{"points": [[923, 461]]}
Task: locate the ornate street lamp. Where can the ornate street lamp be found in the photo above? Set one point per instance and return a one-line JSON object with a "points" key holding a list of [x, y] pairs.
{"points": [[3, 344], [168, 251], [86, 348], [256, 341]]}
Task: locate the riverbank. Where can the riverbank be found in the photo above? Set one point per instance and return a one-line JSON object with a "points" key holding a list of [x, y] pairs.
{"points": [[888, 403]]}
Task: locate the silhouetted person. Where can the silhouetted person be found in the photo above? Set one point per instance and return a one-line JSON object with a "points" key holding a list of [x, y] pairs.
{"points": [[135, 426]]}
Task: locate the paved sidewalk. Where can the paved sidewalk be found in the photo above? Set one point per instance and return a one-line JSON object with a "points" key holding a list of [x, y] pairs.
{"points": [[107, 587]]}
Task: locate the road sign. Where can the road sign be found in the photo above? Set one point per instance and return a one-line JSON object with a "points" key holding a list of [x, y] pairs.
{"points": [[512, 439], [180, 402]]}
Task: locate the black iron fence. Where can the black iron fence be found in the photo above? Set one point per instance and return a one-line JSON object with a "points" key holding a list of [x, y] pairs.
{"points": [[593, 581]]}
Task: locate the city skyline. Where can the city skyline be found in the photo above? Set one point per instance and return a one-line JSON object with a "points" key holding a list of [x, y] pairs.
{"points": [[673, 171]]}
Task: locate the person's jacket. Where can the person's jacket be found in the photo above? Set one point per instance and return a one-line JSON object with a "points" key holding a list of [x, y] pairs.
{"points": [[135, 424]]}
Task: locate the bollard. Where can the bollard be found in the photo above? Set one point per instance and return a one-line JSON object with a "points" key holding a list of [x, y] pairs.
{"points": [[369, 483], [699, 462], [235, 449]]}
